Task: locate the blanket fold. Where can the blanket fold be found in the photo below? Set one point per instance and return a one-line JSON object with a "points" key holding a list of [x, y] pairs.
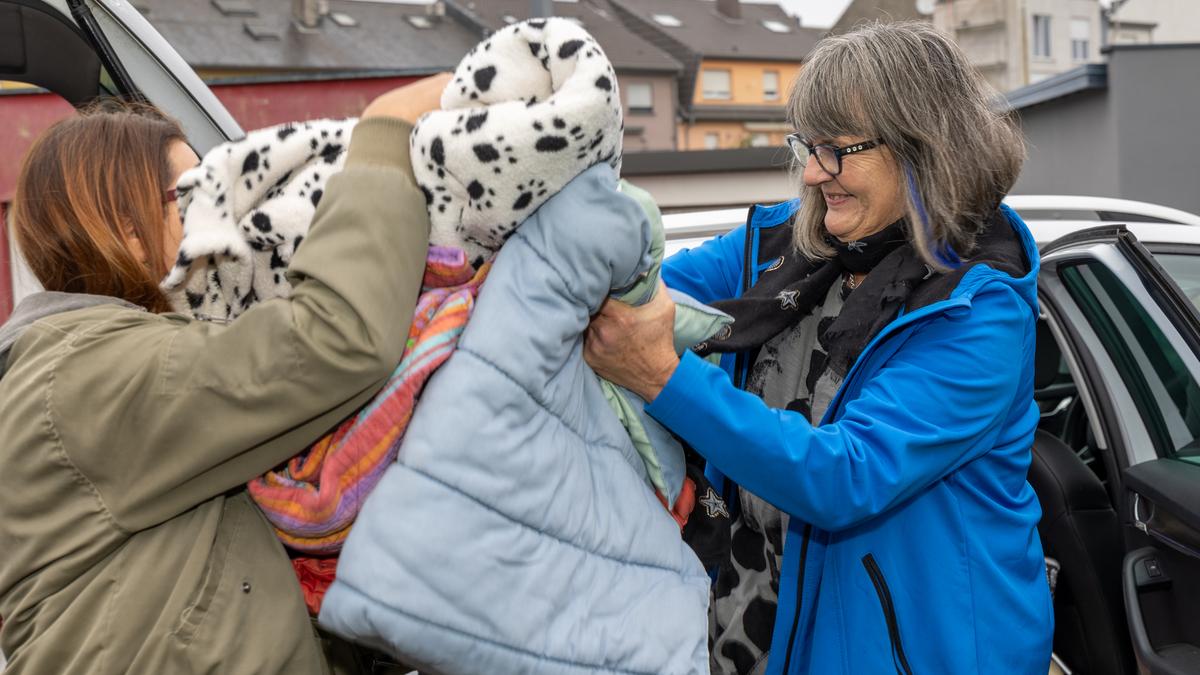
{"points": [[515, 532]]}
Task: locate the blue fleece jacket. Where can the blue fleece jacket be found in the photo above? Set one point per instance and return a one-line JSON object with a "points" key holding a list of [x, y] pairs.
{"points": [[912, 545]]}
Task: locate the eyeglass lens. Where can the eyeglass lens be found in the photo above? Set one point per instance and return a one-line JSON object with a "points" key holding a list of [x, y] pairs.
{"points": [[827, 157]]}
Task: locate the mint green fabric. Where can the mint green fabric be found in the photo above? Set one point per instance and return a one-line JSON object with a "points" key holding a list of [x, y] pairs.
{"points": [[694, 323]]}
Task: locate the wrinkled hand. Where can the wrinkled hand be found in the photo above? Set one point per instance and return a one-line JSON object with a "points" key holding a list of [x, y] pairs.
{"points": [[634, 346], [410, 101]]}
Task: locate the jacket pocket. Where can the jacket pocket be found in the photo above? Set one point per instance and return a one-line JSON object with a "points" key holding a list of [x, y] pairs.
{"points": [[204, 595], [889, 613]]}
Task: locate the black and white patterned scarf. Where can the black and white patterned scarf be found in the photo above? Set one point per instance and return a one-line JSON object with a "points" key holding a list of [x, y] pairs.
{"points": [[806, 328], [794, 286]]}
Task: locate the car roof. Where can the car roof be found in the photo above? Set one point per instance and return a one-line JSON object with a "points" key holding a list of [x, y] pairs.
{"points": [[1103, 208], [1046, 231], [688, 230]]}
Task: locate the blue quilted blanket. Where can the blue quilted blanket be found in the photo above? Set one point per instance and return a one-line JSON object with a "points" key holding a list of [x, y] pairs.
{"points": [[516, 532]]}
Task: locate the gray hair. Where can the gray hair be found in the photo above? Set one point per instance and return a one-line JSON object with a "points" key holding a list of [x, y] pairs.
{"points": [[912, 86]]}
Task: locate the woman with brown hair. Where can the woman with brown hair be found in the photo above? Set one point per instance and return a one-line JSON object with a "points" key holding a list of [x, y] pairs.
{"points": [[127, 432]]}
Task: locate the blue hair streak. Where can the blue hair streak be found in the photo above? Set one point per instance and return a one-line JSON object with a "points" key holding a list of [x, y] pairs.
{"points": [[942, 252]]}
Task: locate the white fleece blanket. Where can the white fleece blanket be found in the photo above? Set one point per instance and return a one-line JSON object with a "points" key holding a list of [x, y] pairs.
{"points": [[529, 109]]}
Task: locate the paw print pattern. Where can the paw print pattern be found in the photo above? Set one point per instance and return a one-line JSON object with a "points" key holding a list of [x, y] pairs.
{"points": [[255, 165], [434, 157], [480, 195], [512, 134], [249, 206], [527, 191], [498, 154]]}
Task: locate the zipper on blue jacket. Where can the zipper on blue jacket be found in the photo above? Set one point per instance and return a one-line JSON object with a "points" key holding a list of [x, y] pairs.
{"points": [[787, 659], [889, 613]]}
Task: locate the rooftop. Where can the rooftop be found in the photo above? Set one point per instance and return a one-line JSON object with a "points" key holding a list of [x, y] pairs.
{"points": [[626, 50], [764, 32], [356, 36]]}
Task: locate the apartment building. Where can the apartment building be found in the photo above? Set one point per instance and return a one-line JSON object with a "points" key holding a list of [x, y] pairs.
{"points": [[647, 77], [738, 61], [1015, 43], [1154, 22]]}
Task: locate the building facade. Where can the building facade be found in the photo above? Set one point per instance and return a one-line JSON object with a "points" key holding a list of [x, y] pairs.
{"points": [[736, 103], [1015, 43], [738, 61], [1154, 22]]}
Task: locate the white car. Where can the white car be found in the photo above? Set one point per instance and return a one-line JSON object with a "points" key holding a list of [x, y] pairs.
{"points": [[1117, 457], [1048, 216]]}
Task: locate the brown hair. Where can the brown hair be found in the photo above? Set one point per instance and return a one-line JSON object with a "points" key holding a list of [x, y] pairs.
{"points": [[87, 183]]}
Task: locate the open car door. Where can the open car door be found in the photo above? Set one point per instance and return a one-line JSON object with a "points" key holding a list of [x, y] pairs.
{"points": [[82, 49], [1132, 338], [85, 49]]}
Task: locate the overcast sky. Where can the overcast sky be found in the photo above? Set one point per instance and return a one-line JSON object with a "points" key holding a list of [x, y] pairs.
{"points": [[815, 13]]}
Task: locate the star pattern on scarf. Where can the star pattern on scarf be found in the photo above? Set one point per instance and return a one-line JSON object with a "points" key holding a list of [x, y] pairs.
{"points": [[713, 504], [788, 299], [857, 246]]}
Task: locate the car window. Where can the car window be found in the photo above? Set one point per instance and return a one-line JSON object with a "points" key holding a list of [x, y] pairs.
{"points": [[1165, 393], [1122, 217], [1059, 214], [1184, 270]]}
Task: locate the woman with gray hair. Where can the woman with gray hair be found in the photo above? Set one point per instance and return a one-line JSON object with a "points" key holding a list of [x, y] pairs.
{"points": [[870, 430]]}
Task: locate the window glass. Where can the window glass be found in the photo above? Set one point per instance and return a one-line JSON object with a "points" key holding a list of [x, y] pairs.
{"points": [[640, 96], [1041, 35], [770, 85], [1166, 395], [1184, 270], [711, 141], [1081, 33], [715, 84]]}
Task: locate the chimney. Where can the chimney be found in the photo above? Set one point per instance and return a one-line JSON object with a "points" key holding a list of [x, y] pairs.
{"points": [[541, 8], [308, 13], [730, 9]]}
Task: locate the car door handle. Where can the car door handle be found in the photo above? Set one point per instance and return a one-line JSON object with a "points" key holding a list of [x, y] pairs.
{"points": [[1143, 571]]}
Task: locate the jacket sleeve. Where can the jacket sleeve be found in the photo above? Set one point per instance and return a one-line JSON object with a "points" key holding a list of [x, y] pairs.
{"points": [[711, 271], [939, 402], [160, 414]]}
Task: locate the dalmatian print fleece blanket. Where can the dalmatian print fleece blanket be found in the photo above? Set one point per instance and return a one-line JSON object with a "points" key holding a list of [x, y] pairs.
{"points": [[529, 109], [245, 209]]}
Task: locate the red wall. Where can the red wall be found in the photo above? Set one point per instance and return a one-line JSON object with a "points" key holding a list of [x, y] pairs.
{"points": [[5, 271], [23, 117], [258, 105]]}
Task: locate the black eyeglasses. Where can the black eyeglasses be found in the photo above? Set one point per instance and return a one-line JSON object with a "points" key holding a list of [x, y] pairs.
{"points": [[829, 157]]}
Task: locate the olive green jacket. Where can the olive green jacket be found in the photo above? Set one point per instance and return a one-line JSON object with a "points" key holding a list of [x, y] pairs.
{"points": [[127, 541]]}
